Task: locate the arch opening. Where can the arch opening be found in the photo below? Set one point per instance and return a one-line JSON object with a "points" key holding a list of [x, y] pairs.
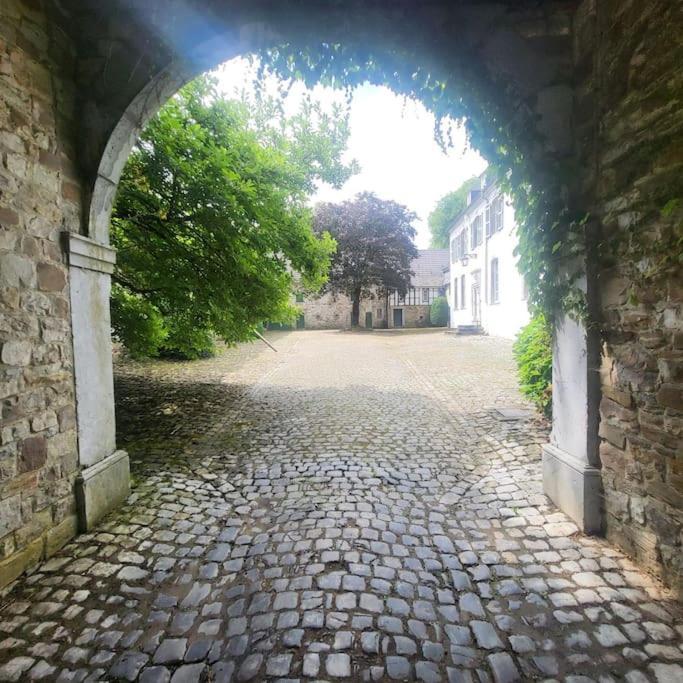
{"points": [[518, 111]]}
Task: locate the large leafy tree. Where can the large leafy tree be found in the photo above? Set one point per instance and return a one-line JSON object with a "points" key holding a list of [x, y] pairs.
{"points": [[374, 246], [445, 212], [211, 219]]}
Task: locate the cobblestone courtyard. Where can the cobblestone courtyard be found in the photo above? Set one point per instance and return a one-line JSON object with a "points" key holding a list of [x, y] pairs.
{"points": [[347, 508]]}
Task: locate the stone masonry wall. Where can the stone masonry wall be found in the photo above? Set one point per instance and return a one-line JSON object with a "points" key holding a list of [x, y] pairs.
{"points": [[326, 312], [629, 125], [333, 311], [39, 198], [413, 316]]}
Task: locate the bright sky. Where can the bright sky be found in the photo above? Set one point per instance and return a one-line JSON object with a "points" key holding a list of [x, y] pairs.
{"points": [[393, 141]]}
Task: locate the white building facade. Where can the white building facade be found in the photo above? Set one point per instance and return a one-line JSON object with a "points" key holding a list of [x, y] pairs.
{"points": [[485, 289]]}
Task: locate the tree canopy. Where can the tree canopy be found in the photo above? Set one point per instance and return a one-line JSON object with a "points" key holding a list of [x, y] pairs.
{"points": [[374, 246], [445, 212], [211, 219]]}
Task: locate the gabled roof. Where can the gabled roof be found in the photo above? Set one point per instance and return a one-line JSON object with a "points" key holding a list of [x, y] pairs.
{"points": [[428, 267]]}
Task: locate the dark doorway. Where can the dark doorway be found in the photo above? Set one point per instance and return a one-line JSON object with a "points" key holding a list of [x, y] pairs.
{"points": [[368, 319], [398, 317], [300, 322]]}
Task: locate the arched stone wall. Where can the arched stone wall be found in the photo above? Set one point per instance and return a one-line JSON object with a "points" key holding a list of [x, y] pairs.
{"points": [[86, 76]]}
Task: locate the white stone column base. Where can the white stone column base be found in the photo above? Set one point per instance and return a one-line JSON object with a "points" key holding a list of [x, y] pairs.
{"points": [[574, 486], [102, 487]]}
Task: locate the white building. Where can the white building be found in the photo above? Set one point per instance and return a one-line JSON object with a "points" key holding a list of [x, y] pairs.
{"points": [[485, 289]]}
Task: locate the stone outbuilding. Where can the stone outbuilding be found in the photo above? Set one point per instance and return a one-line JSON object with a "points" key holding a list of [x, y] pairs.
{"points": [[426, 284], [333, 310]]}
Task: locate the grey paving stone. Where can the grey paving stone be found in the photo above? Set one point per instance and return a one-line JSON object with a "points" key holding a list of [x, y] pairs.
{"points": [[170, 651], [503, 668], [324, 513], [405, 646], [398, 668], [250, 667], [278, 665], [427, 672], [188, 673], [128, 665], [485, 635], [338, 665], [311, 665]]}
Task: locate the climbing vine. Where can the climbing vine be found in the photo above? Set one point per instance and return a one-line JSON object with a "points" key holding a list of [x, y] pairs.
{"points": [[550, 235]]}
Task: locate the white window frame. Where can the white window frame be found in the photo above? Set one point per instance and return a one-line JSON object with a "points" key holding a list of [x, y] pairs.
{"points": [[495, 281]]}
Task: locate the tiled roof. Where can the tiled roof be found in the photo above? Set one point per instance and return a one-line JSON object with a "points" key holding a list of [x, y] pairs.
{"points": [[428, 267]]}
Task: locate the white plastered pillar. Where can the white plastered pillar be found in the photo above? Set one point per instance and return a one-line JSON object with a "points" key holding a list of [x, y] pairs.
{"points": [[571, 466], [104, 480]]}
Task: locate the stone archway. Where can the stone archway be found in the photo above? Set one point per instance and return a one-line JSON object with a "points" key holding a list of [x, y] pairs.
{"points": [[507, 53], [598, 87]]}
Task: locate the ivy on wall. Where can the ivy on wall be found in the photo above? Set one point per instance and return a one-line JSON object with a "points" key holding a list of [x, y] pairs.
{"points": [[550, 236]]}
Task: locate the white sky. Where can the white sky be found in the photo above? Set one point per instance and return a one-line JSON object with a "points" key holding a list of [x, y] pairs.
{"points": [[393, 141]]}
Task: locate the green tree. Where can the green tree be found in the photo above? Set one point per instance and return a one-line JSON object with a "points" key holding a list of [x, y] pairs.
{"points": [[445, 212], [374, 246], [211, 220]]}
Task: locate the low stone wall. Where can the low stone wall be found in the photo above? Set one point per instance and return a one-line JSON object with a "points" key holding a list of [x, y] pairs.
{"points": [[326, 312], [39, 198]]}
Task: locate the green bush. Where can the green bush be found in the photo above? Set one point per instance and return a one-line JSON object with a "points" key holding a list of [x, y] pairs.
{"points": [[438, 313], [534, 355]]}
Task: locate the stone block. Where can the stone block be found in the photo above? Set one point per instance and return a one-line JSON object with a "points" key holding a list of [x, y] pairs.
{"points": [[612, 434], [10, 515], [38, 523], [51, 278], [66, 418], [619, 396], [57, 537], [16, 271], [16, 353], [8, 217], [671, 396], [15, 565], [609, 408], [102, 487], [33, 453], [637, 509]]}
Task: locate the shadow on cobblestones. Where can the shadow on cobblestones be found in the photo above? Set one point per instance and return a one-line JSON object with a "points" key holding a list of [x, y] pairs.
{"points": [[323, 515]]}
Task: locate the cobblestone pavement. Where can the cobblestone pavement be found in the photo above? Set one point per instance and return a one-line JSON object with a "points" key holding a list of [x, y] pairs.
{"points": [[348, 508]]}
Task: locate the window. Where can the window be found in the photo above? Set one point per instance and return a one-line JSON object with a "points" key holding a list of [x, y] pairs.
{"points": [[487, 220], [476, 232], [494, 281], [497, 211], [379, 313], [299, 297], [425, 295], [455, 294], [459, 246], [462, 291]]}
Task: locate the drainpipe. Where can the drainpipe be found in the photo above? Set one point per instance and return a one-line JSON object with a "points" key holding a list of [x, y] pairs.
{"points": [[386, 309], [486, 269]]}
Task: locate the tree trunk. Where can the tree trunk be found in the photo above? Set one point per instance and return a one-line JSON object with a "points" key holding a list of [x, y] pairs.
{"points": [[355, 310]]}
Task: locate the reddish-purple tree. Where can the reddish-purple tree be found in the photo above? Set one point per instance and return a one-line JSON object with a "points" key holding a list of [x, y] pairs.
{"points": [[374, 246]]}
